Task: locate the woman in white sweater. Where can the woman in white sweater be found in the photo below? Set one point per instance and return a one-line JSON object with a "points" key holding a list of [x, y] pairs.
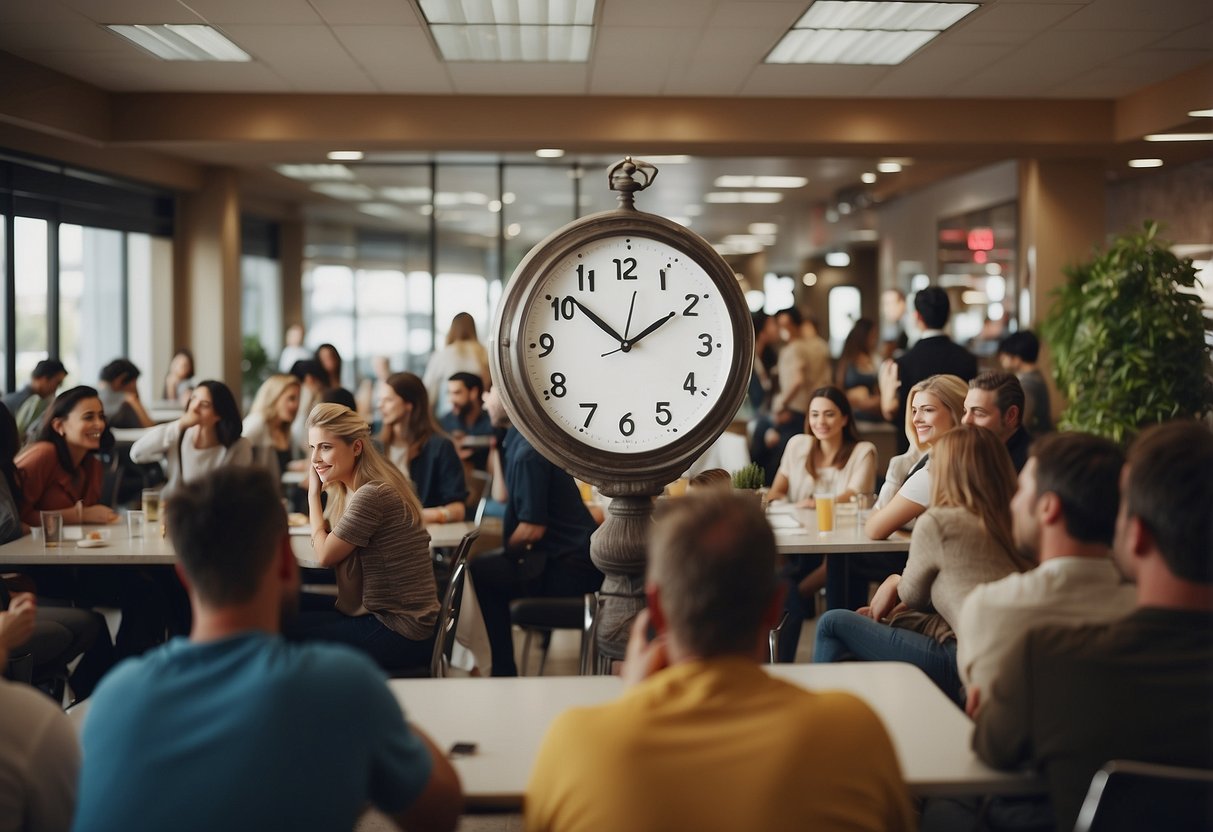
{"points": [[206, 437]]}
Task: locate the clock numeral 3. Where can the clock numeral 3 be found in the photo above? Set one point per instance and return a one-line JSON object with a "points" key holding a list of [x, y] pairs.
{"points": [[590, 406], [689, 384], [663, 410], [558, 388], [691, 301], [547, 343], [585, 276], [563, 308], [628, 273], [626, 426], [707, 344]]}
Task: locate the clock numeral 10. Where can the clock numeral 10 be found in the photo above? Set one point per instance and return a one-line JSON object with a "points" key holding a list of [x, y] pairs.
{"points": [[585, 276], [628, 273], [563, 308]]}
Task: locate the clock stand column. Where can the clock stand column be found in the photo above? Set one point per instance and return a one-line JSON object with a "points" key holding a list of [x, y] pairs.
{"points": [[619, 548]]}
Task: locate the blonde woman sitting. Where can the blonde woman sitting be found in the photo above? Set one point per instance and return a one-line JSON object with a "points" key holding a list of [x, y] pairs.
{"points": [[387, 602], [268, 425]]}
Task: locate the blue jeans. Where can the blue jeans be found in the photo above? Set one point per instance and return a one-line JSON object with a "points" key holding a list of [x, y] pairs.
{"points": [[363, 632], [842, 635]]}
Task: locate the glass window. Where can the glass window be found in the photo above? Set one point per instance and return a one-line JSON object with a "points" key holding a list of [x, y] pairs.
{"points": [[261, 301], [30, 252], [383, 306], [91, 315], [466, 207], [844, 311], [330, 291]]}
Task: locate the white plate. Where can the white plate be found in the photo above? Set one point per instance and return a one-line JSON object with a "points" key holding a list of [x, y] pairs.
{"points": [[89, 543]]}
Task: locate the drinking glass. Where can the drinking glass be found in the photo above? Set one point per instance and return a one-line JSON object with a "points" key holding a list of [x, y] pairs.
{"points": [[52, 529], [151, 504], [136, 524]]}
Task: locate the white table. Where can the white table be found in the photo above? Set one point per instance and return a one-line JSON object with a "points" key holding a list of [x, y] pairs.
{"points": [[120, 550], [802, 538], [507, 719]]}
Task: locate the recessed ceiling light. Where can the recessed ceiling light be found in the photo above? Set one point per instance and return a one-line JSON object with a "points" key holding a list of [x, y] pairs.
{"points": [[748, 197], [549, 153], [1145, 163], [838, 259], [510, 12], [675, 159], [889, 167], [406, 193], [809, 279], [1200, 114], [1180, 137], [868, 178], [522, 44], [345, 155], [861, 32], [182, 42], [345, 190], [765, 228]]}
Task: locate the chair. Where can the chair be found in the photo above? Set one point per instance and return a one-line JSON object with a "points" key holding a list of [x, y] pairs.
{"points": [[448, 616], [1126, 795], [773, 639], [480, 488], [543, 615]]}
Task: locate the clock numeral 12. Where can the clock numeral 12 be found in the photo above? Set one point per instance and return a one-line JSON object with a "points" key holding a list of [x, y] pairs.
{"points": [[585, 276], [563, 308], [625, 274]]}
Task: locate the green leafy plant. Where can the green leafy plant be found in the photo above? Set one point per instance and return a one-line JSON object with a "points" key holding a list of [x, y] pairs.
{"points": [[750, 477], [1128, 339], [254, 365]]}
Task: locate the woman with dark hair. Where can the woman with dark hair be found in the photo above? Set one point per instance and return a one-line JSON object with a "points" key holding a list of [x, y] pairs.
{"points": [[179, 381], [60, 633], [855, 371], [330, 359], [60, 471], [415, 443], [206, 437], [828, 456]]}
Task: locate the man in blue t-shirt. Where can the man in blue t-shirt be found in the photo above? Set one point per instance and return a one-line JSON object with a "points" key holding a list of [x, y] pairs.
{"points": [[234, 728], [546, 532], [468, 422]]}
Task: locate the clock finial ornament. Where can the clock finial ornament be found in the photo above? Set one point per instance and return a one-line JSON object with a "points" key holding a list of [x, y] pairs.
{"points": [[620, 178]]}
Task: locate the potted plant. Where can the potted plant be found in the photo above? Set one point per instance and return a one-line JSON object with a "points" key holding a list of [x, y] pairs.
{"points": [[1128, 339], [749, 480]]}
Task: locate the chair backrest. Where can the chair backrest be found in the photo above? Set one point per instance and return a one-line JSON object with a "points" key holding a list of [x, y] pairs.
{"points": [[480, 491], [1126, 795], [773, 638], [589, 636], [448, 613]]}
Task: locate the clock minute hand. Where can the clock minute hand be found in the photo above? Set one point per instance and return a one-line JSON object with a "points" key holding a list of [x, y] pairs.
{"points": [[601, 324], [651, 327]]}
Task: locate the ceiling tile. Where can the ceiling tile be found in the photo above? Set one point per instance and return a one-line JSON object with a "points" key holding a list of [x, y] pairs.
{"points": [[1018, 17], [936, 70], [509, 78], [760, 15], [367, 12], [671, 14], [23, 38], [1134, 72], [398, 58], [1136, 14], [1199, 36], [281, 12], [813, 80], [134, 11], [635, 61], [183, 76], [47, 11], [721, 62], [310, 58]]}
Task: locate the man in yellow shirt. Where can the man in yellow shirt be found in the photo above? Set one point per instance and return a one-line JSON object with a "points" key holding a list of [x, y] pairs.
{"points": [[703, 738]]}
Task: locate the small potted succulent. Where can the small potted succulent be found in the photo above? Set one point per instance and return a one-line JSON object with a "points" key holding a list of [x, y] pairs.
{"points": [[749, 480]]}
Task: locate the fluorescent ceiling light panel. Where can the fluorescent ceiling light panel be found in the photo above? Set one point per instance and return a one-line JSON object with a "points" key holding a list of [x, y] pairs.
{"points": [[527, 44], [1145, 163], [864, 33], [345, 155], [890, 17], [747, 197], [345, 190], [847, 46], [868, 178], [889, 167], [510, 12], [746, 181], [413, 194], [182, 42], [315, 173], [838, 259], [549, 153], [1180, 137], [764, 228], [1200, 114]]}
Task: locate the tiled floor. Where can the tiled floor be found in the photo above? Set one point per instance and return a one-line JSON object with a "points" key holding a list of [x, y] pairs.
{"points": [[562, 661]]}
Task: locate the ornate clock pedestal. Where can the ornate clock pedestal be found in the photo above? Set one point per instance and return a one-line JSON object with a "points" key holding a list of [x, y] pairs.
{"points": [[619, 550]]}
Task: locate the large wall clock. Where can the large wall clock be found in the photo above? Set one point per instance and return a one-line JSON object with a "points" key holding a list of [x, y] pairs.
{"points": [[623, 347]]}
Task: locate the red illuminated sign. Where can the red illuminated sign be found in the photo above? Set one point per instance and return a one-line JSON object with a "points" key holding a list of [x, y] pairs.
{"points": [[981, 239]]}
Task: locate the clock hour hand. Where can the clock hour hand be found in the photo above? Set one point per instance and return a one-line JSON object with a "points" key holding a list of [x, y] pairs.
{"points": [[599, 322], [650, 328]]}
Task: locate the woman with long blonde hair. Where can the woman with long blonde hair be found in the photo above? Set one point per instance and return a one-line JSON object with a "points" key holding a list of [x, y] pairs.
{"points": [[414, 442], [268, 424], [463, 353], [962, 540], [372, 535]]}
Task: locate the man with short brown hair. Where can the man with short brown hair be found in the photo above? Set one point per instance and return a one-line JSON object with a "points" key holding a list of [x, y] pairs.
{"points": [[995, 402]]}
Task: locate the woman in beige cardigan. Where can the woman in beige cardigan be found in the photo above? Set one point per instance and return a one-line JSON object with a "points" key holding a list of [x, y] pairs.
{"points": [[962, 540]]}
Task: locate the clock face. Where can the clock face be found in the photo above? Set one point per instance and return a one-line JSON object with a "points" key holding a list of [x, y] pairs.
{"points": [[627, 344]]}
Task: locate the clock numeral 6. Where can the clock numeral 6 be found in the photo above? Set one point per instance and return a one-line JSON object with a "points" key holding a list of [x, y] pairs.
{"points": [[707, 344], [626, 426], [664, 416], [558, 388], [563, 308], [547, 343], [590, 406]]}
